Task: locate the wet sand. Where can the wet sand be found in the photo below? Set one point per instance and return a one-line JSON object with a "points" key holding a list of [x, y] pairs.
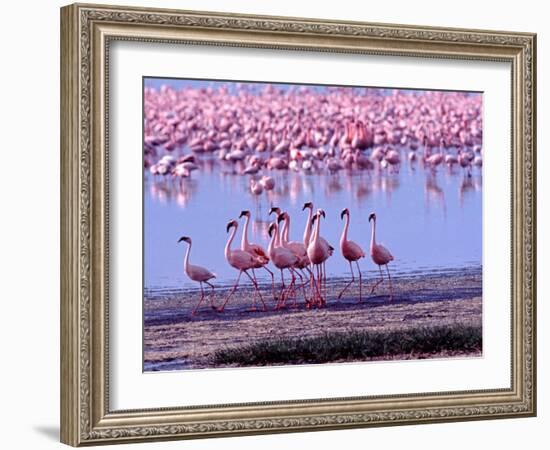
{"points": [[174, 339]]}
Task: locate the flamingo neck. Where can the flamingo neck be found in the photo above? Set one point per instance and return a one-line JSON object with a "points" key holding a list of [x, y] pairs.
{"points": [[373, 235], [286, 229], [244, 241], [186, 263], [277, 236], [272, 242], [307, 231], [317, 227], [344, 237], [230, 240]]}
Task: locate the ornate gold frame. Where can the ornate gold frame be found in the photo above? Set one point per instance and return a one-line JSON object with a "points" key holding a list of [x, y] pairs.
{"points": [[86, 31]]}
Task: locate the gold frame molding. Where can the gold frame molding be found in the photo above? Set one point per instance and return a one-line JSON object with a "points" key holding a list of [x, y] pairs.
{"points": [[86, 31]]}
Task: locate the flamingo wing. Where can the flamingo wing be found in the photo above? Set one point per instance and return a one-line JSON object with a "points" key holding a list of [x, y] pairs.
{"points": [[198, 273], [381, 255], [297, 248], [326, 246], [258, 251], [242, 260], [353, 251]]}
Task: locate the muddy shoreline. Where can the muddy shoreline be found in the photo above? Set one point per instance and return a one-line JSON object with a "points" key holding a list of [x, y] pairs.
{"points": [[174, 339]]}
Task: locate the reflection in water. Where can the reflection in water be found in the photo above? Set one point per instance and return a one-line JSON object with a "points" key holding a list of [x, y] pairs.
{"points": [[429, 218], [434, 193]]}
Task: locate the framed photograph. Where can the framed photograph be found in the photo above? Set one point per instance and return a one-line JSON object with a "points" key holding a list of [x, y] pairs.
{"points": [[276, 224]]}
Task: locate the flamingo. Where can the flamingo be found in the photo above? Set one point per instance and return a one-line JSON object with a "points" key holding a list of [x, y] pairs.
{"points": [[307, 235], [255, 187], [255, 250], [197, 273], [318, 254], [393, 157], [298, 248], [267, 182], [352, 252], [240, 260], [309, 226], [282, 258], [380, 255]]}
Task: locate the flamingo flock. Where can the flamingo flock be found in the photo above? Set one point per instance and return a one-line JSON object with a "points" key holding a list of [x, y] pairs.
{"points": [[304, 262], [258, 130]]}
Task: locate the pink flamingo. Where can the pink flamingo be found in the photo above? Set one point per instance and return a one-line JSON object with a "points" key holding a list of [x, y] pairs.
{"points": [[240, 260], [380, 255], [298, 248], [307, 236], [393, 157], [255, 250], [352, 252], [282, 258], [267, 182], [318, 254], [197, 273], [255, 187], [309, 227]]}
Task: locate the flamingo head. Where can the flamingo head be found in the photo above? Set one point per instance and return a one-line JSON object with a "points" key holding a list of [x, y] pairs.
{"points": [[244, 213], [321, 212], [185, 239], [344, 212], [271, 228], [275, 210], [230, 224], [307, 205], [372, 216], [282, 216]]}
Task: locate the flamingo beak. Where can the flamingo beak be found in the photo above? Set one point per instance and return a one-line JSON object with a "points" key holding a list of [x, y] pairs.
{"points": [[280, 218], [307, 205], [273, 210], [229, 225], [244, 213], [372, 216], [183, 238], [270, 229], [343, 213], [323, 214]]}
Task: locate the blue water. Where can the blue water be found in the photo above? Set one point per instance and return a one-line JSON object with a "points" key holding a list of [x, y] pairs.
{"points": [[254, 87], [428, 221]]}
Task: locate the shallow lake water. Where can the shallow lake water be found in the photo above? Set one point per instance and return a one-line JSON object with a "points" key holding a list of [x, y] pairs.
{"points": [[429, 220]]}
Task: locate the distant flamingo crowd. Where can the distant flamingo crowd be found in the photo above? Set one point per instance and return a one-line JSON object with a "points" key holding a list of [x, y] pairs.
{"points": [[303, 261], [308, 130]]}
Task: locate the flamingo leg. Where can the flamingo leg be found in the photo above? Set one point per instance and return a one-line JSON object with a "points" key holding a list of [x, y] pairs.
{"points": [[200, 301], [308, 302], [312, 284], [290, 289], [349, 284], [360, 282], [282, 290], [297, 272], [391, 287], [211, 295], [257, 290], [320, 283], [272, 281], [324, 270], [255, 282], [303, 281], [378, 282], [221, 308]]}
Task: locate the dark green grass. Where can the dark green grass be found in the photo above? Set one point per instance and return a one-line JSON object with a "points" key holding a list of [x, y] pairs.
{"points": [[354, 346]]}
